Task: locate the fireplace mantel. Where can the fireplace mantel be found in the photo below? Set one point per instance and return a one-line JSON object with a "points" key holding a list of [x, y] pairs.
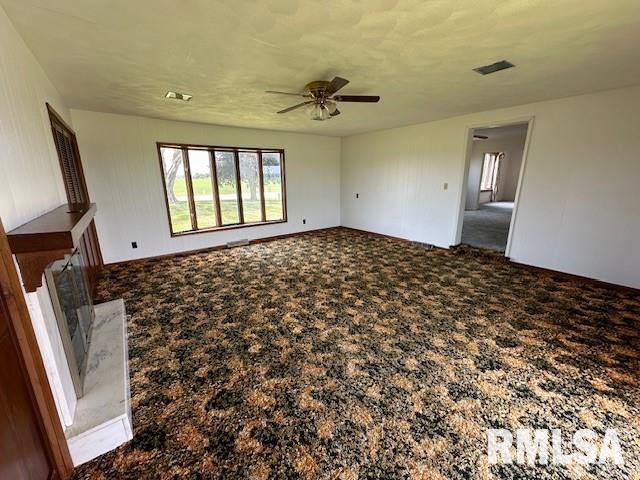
{"points": [[52, 236]]}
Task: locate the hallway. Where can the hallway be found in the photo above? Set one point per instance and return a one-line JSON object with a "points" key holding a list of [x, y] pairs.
{"points": [[488, 227]]}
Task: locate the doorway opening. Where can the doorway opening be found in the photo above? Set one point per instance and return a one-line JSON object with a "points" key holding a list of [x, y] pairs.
{"points": [[493, 175]]}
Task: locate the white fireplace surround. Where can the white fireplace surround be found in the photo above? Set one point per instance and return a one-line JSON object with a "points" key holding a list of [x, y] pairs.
{"points": [[101, 419], [52, 351]]}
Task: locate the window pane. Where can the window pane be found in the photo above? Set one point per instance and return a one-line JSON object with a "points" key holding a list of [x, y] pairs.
{"points": [[487, 169], [202, 188], [272, 174], [173, 170], [226, 172], [250, 186]]}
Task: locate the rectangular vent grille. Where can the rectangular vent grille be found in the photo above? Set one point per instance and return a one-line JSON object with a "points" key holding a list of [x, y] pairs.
{"points": [[179, 96], [428, 246], [494, 67], [238, 243]]}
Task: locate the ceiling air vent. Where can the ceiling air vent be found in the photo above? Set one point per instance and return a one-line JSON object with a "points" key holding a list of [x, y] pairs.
{"points": [[179, 96], [494, 67]]}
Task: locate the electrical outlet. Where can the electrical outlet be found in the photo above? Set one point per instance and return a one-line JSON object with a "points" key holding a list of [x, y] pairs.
{"points": [[134, 244], [446, 186], [304, 221], [357, 195]]}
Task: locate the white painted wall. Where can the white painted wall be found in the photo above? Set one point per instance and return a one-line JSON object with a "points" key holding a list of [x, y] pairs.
{"points": [[579, 209], [120, 161], [511, 172], [32, 183], [512, 146]]}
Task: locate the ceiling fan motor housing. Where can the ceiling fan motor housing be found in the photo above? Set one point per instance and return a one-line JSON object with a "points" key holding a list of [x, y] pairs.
{"points": [[318, 88]]}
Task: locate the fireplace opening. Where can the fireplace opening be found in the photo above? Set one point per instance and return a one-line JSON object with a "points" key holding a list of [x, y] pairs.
{"points": [[69, 289]]}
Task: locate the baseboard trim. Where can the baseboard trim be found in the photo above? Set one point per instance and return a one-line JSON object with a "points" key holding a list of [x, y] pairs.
{"points": [[391, 237], [577, 278], [214, 248], [567, 276], [547, 271]]}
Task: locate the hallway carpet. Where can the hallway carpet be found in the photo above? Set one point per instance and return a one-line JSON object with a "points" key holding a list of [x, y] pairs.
{"points": [[343, 355], [488, 227]]}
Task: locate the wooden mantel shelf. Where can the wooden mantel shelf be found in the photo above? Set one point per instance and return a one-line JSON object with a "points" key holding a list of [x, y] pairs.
{"points": [[48, 238]]}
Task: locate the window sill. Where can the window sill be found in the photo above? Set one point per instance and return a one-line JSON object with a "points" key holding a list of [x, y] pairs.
{"points": [[227, 227]]}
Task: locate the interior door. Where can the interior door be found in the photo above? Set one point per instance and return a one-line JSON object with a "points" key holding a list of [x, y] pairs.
{"points": [[23, 454]]}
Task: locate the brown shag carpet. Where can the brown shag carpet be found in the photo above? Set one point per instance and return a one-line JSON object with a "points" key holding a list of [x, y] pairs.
{"points": [[344, 355]]}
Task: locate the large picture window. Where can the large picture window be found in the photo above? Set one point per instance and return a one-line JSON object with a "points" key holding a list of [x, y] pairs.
{"points": [[212, 188]]}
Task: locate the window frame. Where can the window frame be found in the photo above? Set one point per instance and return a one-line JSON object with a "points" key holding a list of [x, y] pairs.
{"points": [[495, 155], [211, 149]]}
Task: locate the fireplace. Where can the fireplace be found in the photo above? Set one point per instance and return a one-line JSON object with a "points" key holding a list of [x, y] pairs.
{"points": [[70, 295], [60, 252], [84, 346]]}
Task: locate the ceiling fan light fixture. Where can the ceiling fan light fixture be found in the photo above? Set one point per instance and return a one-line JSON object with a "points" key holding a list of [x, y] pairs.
{"points": [[331, 106], [325, 113], [319, 112]]}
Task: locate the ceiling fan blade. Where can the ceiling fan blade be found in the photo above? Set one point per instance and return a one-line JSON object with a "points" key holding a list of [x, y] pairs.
{"points": [[336, 84], [357, 98], [335, 112], [294, 107], [286, 93]]}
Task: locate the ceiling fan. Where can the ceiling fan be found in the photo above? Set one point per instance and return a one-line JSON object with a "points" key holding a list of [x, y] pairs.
{"points": [[321, 98]]}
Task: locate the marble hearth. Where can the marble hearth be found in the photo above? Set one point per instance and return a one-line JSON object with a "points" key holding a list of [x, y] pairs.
{"points": [[102, 419]]}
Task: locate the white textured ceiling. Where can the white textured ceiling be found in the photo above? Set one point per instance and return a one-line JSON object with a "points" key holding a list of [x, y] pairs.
{"points": [[123, 55]]}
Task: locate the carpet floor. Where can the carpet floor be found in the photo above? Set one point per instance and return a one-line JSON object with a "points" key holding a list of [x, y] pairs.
{"points": [[344, 355], [488, 227]]}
